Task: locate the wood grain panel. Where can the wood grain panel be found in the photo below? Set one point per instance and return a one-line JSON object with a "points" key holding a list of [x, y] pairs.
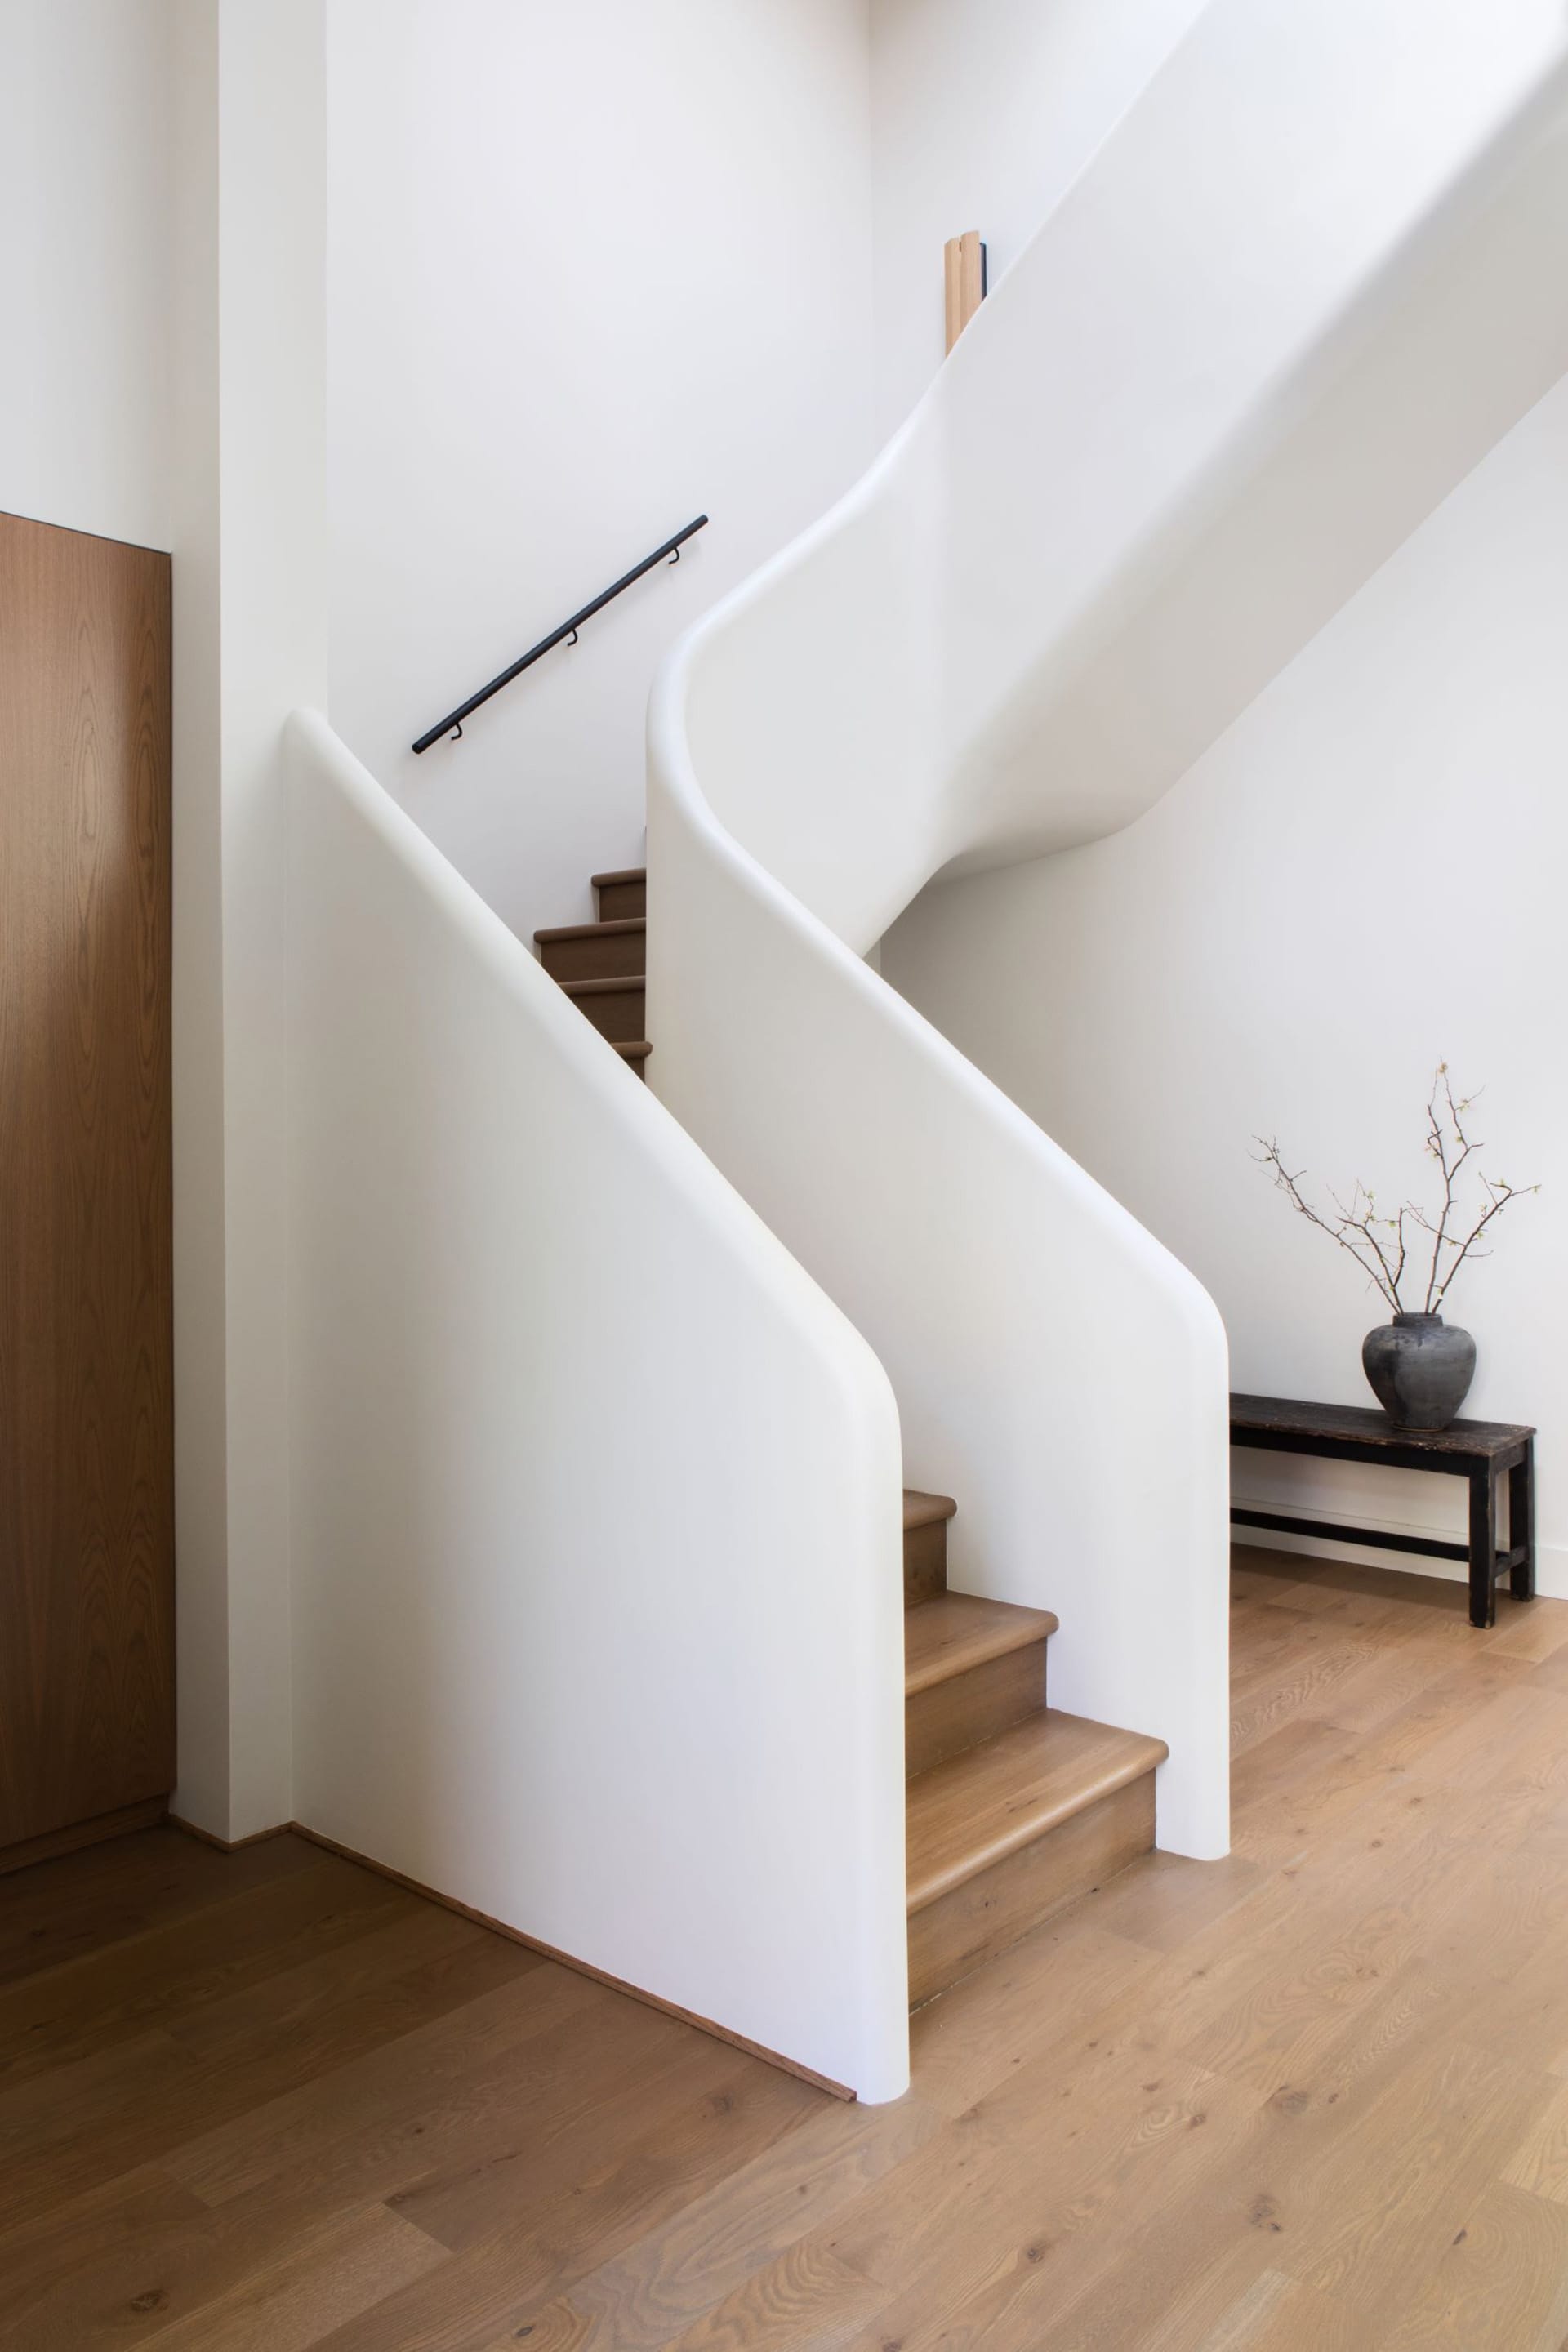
{"points": [[963, 281], [95, 1831], [86, 1442]]}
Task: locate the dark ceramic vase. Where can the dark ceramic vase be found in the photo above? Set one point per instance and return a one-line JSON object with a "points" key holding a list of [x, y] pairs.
{"points": [[1420, 1368]]}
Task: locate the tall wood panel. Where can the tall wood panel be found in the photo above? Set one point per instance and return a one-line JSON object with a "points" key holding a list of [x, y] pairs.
{"points": [[964, 280], [86, 1712]]}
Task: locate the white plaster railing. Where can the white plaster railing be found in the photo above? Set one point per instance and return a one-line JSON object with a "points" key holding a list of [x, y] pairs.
{"points": [[596, 1496], [971, 660]]}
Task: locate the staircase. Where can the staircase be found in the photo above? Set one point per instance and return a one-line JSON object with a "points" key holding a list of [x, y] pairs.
{"points": [[1137, 488], [1013, 1807], [602, 966]]}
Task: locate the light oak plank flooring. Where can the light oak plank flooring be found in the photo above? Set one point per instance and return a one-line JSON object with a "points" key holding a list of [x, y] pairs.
{"points": [[1313, 2098]]}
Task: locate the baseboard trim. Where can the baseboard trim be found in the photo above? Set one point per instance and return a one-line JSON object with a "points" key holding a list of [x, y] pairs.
{"points": [[227, 1845], [122, 1822], [530, 1943]]}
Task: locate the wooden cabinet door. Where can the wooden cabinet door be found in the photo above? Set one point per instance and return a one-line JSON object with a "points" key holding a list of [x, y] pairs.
{"points": [[87, 1705]]}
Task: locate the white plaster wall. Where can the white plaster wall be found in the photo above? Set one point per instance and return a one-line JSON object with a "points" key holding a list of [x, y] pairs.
{"points": [[982, 116], [592, 270], [85, 275], [1361, 877]]}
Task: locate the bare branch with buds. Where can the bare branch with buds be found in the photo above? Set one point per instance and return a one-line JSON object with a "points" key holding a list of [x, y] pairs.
{"points": [[1380, 1245]]}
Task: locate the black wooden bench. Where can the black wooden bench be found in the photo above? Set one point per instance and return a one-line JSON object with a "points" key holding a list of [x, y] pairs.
{"points": [[1480, 1451]]}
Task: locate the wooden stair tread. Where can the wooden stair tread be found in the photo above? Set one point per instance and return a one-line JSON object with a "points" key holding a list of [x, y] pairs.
{"points": [[631, 1049], [626, 984], [981, 1806], [947, 1636], [621, 874], [921, 1510], [617, 926]]}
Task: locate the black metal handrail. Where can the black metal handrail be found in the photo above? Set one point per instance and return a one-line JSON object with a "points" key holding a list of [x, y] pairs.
{"points": [[453, 722]]}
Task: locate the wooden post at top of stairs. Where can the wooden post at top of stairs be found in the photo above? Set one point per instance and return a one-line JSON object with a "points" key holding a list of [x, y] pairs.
{"points": [[963, 279]]}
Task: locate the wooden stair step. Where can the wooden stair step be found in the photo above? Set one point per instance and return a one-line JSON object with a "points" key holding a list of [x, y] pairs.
{"points": [[923, 1510], [1003, 1834], [622, 892], [635, 1050], [626, 923], [978, 1808], [617, 1007], [959, 1631], [601, 950], [925, 1545], [972, 1669]]}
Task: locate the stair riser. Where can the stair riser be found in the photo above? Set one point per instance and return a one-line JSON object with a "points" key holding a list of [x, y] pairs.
{"points": [[925, 1563], [953, 1716], [619, 899], [618, 1014], [962, 1930], [616, 955]]}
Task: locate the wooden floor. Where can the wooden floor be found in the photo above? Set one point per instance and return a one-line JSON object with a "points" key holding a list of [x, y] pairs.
{"points": [[1312, 2099]]}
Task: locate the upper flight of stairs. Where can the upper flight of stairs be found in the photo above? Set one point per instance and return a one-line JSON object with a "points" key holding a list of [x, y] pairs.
{"points": [[603, 965], [1013, 1807]]}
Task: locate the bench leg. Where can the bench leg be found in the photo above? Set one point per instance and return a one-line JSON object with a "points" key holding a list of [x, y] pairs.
{"points": [[1522, 1524], [1483, 1545]]}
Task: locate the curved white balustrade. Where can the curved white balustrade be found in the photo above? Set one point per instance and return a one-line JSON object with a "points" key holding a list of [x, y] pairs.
{"points": [[1045, 597], [594, 1492], [596, 1496]]}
